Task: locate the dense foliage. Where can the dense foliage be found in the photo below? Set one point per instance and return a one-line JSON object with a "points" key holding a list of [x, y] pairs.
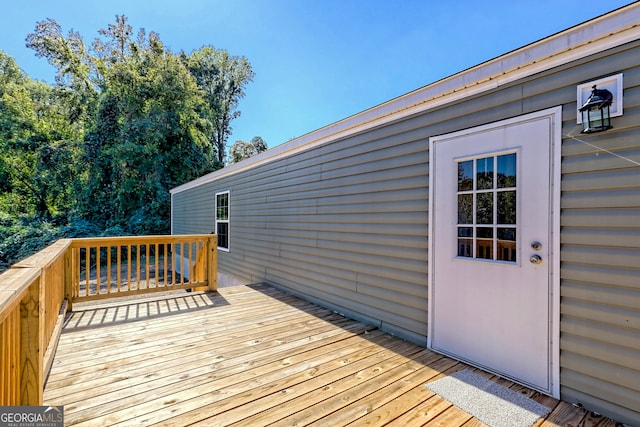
{"points": [[241, 150], [97, 152]]}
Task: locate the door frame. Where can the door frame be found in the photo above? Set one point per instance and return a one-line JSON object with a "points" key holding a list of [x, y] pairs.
{"points": [[555, 135]]}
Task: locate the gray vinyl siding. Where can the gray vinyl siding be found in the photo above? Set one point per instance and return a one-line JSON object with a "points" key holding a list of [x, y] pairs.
{"points": [[346, 224], [340, 223], [193, 211], [600, 258]]}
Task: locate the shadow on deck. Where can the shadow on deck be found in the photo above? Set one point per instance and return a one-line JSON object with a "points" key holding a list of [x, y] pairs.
{"points": [[251, 355], [98, 315]]}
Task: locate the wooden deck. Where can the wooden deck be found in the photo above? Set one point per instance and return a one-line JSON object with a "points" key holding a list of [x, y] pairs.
{"points": [[250, 355]]}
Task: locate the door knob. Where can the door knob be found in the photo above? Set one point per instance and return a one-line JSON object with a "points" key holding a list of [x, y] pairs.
{"points": [[535, 259]]}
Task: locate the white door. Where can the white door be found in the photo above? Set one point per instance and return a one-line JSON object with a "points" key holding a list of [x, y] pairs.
{"points": [[494, 249]]}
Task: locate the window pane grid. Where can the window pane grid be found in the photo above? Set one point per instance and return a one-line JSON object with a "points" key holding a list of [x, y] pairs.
{"points": [[486, 200]]}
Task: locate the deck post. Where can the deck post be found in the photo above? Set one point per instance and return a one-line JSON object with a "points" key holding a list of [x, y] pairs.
{"points": [[31, 341], [212, 263], [67, 278]]}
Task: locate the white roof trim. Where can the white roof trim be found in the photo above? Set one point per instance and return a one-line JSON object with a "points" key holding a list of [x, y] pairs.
{"points": [[605, 32]]}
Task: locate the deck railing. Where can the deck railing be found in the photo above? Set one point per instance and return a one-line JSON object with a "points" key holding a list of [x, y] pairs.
{"points": [[36, 293], [106, 267]]}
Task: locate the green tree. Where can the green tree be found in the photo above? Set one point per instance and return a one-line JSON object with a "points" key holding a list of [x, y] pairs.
{"points": [[38, 146], [98, 151], [222, 78], [17, 122], [150, 134], [75, 67], [127, 118], [242, 150]]}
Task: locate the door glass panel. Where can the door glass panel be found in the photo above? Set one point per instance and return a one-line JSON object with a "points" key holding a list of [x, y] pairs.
{"points": [[483, 249], [487, 213], [507, 207], [484, 242], [465, 208], [507, 170], [484, 210], [465, 175], [507, 244], [484, 173], [465, 241], [485, 232]]}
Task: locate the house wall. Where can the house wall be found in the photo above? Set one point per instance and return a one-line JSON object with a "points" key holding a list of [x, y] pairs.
{"points": [[345, 224], [600, 253]]}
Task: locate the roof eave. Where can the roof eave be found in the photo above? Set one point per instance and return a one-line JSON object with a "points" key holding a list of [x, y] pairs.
{"points": [[605, 32]]}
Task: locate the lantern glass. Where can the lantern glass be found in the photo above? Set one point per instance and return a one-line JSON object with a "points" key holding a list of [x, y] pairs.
{"points": [[606, 117], [586, 120]]}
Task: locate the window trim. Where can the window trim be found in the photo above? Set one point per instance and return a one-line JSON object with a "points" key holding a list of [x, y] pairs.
{"points": [[223, 221]]}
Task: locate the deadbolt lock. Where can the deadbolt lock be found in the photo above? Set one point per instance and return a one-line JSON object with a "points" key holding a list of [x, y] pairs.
{"points": [[536, 245]]}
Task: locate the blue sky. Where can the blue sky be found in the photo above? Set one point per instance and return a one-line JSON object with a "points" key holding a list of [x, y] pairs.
{"points": [[316, 61]]}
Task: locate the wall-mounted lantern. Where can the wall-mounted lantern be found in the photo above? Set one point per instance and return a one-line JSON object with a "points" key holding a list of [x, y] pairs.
{"points": [[596, 115]]}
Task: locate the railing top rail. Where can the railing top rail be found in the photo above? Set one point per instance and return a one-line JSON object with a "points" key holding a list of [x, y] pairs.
{"points": [[45, 257], [14, 283], [124, 240]]}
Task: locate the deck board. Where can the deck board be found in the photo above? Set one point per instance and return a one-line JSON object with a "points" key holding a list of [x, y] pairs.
{"points": [[250, 355]]}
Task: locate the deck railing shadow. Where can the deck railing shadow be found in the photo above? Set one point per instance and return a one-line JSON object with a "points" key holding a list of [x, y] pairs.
{"points": [[92, 316]]}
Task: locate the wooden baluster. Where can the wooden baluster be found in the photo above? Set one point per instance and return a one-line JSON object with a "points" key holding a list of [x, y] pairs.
{"points": [[9, 358], [189, 263], [138, 250], [128, 267], [98, 260], [156, 276], [108, 269], [75, 257], [173, 264], [119, 266], [87, 267], [5, 360], [148, 275], [165, 253], [16, 350]]}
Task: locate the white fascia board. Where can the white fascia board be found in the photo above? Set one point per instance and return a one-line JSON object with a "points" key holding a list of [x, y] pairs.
{"points": [[605, 32]]}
